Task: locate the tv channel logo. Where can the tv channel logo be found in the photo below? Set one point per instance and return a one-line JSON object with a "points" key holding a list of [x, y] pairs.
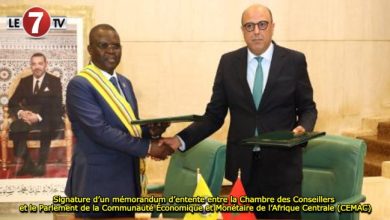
{"points": [[36, 22]]}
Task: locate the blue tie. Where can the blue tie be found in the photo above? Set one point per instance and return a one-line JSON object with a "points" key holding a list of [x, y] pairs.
{"points": [[129, 98], [115, 83], [258, 83]]}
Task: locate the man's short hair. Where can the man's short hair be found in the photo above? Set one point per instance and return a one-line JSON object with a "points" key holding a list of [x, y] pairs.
{"points": [[39, 55], [97, 27]]}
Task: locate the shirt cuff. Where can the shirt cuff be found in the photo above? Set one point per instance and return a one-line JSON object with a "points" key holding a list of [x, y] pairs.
{"points": [[182, 144], [39, 118], [19, 112], [150, 146]]}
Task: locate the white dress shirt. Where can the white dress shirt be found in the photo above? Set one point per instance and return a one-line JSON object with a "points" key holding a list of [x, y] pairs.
{"points": [[108, 76], [40, 81], [252, 66]]}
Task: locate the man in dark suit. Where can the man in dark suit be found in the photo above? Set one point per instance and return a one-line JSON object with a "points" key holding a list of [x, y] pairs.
{"points": [[108, 149], [266, 88], [35, 104]]}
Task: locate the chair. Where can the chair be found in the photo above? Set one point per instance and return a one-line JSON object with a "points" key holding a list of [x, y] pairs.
{"points": [[333, 167], [209, 156], [64, 136]]}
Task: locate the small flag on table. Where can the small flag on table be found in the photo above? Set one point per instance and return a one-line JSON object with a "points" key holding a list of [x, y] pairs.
{"points": [[238, 191], [201, 190]]}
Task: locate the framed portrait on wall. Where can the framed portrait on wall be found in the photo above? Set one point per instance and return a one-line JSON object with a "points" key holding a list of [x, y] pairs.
{"points": [[27, 172]]}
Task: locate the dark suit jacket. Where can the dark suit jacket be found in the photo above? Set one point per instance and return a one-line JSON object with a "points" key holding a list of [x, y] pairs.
{"points": [[47, 103], [105, 161], [287, 101]]}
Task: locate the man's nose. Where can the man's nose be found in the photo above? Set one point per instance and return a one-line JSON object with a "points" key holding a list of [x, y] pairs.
{"points": [[257, 29], [110, 49]]}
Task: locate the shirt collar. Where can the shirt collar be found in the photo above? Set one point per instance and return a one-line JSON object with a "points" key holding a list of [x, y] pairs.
{"points": [[267, 55], [107, 75], [40, 78]]}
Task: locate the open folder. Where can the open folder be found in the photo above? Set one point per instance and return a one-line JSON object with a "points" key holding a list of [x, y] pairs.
{"points": [[183, 118], [285, 139]]}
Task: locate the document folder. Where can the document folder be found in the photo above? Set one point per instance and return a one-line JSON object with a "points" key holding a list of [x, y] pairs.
{"points": [[183, 118], [284, 139]]}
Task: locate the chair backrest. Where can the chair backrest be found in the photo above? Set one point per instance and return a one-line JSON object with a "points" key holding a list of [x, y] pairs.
{"points": [[24, 73], [333, 166], [209, 156]]}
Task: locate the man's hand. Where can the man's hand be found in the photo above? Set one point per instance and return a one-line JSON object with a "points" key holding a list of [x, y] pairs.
{"points": [[156, 129], [159, 150], [29, 117], [173, 142], [299, 130], [22, 114]]}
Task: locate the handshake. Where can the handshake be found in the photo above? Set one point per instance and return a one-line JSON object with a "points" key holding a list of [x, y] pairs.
{"points": [[161, 148]]}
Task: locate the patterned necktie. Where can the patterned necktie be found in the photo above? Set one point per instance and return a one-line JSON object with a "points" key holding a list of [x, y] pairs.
{"points": [[36, 87], [115, 83], [258, 83]]}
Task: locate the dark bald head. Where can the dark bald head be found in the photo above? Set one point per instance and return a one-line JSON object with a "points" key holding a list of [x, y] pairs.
{"points": [[97, 28]]}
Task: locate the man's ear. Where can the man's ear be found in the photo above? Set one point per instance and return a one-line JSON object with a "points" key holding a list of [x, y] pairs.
{"points": [[89, 49]]}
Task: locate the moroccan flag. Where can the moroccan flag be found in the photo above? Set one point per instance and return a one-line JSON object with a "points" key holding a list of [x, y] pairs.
{"points": [[201, 190], [238, 191]]}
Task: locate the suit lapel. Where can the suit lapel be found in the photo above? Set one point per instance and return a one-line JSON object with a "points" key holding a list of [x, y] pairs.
{"points": [[275, 70], [44, 85], [29, 85], [128, 92], [242, 70]]}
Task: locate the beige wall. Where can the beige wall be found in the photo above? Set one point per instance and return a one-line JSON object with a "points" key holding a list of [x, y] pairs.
{"points": [[171, 50]]}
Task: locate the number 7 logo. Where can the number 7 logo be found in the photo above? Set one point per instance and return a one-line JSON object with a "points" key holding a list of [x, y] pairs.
{"points": [[37, 15], [36, 21]]}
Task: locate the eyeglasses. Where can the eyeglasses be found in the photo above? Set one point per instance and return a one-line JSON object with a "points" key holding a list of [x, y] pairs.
{"points": [[105, 46], [250, 26]]}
